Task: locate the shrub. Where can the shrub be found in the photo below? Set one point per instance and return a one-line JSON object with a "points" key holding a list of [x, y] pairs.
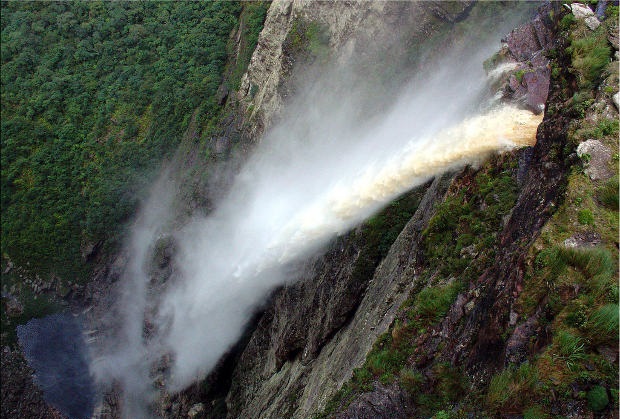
{"points": [[597, 398], [451, 383]]}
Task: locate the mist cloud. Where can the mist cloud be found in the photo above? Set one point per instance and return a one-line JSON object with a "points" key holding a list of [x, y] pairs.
{"points": [[321, 170]]}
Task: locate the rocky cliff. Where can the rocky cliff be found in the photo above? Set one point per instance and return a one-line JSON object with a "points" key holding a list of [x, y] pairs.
{"points": [[327, 332], [488, 292]]}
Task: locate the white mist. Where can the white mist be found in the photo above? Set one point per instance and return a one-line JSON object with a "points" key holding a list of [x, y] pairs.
{"points": [[316, 174]]}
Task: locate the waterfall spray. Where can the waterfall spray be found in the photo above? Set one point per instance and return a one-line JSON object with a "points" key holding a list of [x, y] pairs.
{"points": [[314, 176]]}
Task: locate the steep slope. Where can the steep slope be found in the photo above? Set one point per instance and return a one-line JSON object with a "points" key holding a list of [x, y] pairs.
{"points": [[473, 258]]}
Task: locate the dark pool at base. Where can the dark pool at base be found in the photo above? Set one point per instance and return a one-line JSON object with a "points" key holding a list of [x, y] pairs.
{"points": [[54, 347]]}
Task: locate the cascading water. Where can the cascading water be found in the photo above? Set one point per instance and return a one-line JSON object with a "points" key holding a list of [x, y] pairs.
{"points": [[313, 177]]}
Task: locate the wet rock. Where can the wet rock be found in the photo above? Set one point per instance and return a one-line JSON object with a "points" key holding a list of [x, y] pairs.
{"points": [[13, 307], [596, 159], [20, 397], [529, 81]]}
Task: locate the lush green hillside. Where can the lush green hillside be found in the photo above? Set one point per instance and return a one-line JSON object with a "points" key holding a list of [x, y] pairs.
{"points": [[94, 96]]}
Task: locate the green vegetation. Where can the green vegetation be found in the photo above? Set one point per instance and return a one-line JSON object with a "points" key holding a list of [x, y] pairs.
{"points": [[251, 23], [308, 41], [511, 389], [432, 303], [466, 223], [572, 291], [597, 398], [569, 348], [94, 96], [590, 55], [33, 306], [380, 231], [466, 220]]}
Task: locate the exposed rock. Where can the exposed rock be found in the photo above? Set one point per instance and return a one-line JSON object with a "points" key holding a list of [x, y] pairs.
{"points": [[517, 349], [451, 11], [596, 159], [196, 410], [581, 11], [382, 403], [592, 22], [616, 99], [269, 374], [530, 73], [612, 37], [609, 352], [20, 397], [587, 239], [601, 6], [222, 94]]}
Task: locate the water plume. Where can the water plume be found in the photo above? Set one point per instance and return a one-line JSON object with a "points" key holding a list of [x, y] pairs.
{"points": [[321, 170]]}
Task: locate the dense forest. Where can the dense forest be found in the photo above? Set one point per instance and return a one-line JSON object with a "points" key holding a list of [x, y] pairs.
{"points": [[95, 95]]}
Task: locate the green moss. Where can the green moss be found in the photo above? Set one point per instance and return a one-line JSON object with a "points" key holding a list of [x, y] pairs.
{"points": [[380, 231], [597, 398], [308, 40], [470, 218], [251, 22]]}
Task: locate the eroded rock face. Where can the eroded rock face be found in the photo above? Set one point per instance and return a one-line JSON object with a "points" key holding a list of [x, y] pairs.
{"points": [[298, 379], [352, 25], [382, 403], [528, 81]]}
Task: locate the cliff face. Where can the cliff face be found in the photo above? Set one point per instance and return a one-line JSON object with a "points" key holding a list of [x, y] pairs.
{"points": [[317, 345]]}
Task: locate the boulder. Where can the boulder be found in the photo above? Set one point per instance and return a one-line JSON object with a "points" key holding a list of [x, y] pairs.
{"points": [[592, 22], [587, 239], [581, 11], [597, 164], [196, 410]]}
